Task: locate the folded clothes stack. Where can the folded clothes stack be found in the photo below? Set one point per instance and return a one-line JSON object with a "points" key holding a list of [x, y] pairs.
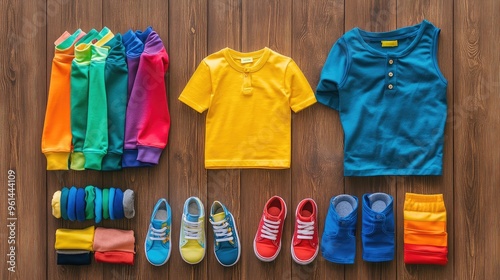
{"points": [[114, 246], [425, 236], [74, 246], [80, 204]]}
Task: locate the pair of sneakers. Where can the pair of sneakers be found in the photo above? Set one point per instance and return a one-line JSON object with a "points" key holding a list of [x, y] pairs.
{"points": [[192, 234], [227, 247], [305, 243], [338, 242]]}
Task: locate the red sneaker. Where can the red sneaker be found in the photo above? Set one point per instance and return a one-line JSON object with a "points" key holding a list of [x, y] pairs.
{"points": [[267, 242], [305, 245]]}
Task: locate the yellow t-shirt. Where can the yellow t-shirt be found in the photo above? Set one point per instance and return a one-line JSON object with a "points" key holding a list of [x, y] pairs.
{"points": [[248, 97]]}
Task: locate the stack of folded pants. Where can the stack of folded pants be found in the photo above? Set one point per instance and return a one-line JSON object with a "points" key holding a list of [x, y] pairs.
{"points": [[114, 246], [425, 237], [74, 246], [80, 204]]}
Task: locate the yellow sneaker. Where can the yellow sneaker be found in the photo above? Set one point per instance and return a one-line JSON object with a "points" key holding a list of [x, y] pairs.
{"points": [[192, 238]]}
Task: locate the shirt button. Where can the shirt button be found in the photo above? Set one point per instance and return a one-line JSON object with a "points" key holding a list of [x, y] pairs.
{"points": [[390, 86], [390, 74], [391, 61]]}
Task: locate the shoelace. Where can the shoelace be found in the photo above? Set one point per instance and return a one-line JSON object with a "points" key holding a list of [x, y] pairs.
{"points": [[192, 229], [305, 230], [222, 231], [270, 229], [158, 234]]}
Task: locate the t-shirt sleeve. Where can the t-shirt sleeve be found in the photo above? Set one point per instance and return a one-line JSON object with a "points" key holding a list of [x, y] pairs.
{"points": [[198, 90], [300, 92], [333, 75]]}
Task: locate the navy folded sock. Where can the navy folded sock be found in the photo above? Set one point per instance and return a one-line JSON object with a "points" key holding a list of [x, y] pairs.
{"points": [[80, 205], [83, 258], [118, 204]]}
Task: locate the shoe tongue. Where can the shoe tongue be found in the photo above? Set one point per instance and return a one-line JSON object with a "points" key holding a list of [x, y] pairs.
{"points": [[158, 224], [272, 213], [192, 218], [305, 219], [219, 216]]}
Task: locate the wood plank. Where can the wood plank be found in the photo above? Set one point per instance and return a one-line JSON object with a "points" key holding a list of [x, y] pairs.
{"points": [[188, 177], [317, 142], [224, 26], [375, 16], [265, 23], [441, 15], [24, 51], [7, 85], [61, 16], [476, 126]]}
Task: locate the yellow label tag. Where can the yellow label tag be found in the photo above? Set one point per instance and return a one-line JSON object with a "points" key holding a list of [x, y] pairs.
{"points": [[393, 43], [245, 60]]}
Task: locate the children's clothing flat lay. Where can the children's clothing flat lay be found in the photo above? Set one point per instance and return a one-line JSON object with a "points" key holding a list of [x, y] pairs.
{"points": [[107, 109], [391, 98], [248, 97], [101, 115]]}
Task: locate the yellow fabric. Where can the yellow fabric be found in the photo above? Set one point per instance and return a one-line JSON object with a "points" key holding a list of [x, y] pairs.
{"points": [[219, 216], [424, 202], [424, 207], [76, 239], [56, 204], [192, 252], [248, 122], [57, 160]]}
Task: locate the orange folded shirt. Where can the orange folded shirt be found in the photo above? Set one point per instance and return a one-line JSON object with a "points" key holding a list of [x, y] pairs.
{"points": [[110, 239], [56, 136]]}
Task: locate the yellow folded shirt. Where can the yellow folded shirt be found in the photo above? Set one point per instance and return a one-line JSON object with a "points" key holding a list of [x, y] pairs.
{"points": [[76, 239]]}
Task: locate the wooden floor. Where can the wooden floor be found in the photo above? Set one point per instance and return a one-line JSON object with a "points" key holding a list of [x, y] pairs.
{"points": [[304, 30]]}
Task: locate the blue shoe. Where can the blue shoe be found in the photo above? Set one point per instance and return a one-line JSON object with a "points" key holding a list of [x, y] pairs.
{"points": [[377, 231], [338, 243], [157, 245], [227, 247]]}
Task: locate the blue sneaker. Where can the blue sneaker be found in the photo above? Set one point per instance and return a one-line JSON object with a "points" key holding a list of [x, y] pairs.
{"points": [[226, 240], [157, 244], [377, 232], [338, 243]]}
